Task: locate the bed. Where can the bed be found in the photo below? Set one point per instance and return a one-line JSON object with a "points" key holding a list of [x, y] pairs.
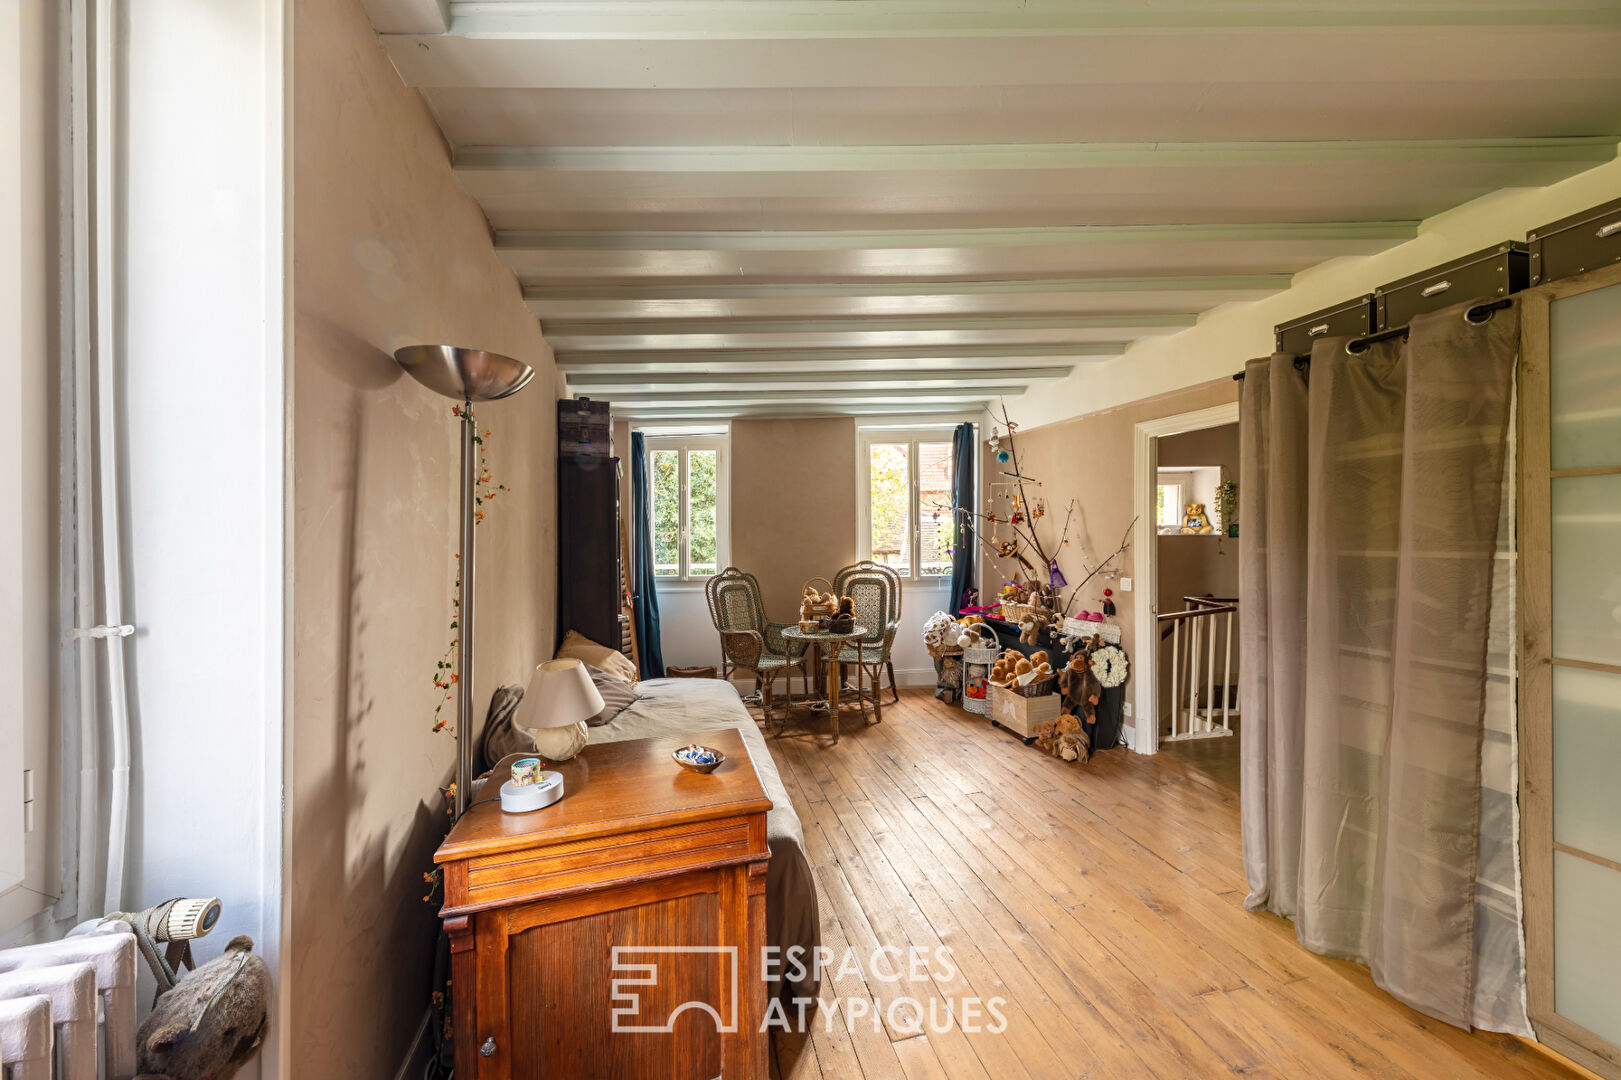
{"points": [[666, 707]]}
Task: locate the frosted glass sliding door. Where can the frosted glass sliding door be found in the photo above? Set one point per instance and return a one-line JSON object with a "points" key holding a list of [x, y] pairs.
{"points": [[1570, 441]]}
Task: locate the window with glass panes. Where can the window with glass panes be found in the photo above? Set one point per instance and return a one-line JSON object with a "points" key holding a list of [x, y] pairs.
{"points": [[689, 495], [907, 520]]}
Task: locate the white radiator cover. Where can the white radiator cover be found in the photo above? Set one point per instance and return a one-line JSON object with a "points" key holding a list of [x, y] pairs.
{"points": [[88, 986]]}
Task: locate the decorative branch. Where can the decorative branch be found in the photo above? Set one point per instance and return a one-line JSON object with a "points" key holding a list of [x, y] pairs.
{"points": [[1125, 542]]}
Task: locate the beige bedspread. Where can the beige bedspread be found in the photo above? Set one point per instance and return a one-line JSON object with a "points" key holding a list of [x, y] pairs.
{"points": [[679, 707]]}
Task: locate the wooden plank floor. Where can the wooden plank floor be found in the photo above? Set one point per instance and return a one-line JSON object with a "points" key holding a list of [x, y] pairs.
{"points": [[1103, 902]]}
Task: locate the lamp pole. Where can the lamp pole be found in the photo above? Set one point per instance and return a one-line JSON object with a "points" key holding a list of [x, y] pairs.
{"points": [[468, 375], [464, 611]]}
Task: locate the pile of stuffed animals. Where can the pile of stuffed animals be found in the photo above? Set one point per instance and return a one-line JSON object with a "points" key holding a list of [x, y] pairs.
{"points": [[942, 634], [1013, 668], [1064, 738]]}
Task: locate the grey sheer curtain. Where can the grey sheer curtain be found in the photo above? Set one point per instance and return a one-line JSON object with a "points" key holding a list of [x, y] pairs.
{"points": [[1377, 573]]}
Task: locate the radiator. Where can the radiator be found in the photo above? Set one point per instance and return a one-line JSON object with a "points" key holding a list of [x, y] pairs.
{"points": [[67, 1008]]}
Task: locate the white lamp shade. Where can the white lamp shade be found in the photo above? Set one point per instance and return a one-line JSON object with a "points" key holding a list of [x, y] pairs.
{"points": [[560, 693]]}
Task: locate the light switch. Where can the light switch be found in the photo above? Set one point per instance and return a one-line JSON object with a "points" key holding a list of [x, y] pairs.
{"points": [[1125, 584]]}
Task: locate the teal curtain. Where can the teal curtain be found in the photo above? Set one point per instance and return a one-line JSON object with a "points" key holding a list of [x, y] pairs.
{"points": [[645, 605], [962, 498]]}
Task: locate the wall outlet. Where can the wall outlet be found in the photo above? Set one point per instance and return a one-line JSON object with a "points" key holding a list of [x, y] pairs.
{"points": [[1125, 584], [1125, 707]]}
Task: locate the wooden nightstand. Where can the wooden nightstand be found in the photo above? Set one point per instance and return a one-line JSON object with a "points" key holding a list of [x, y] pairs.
{"points": [[642, 859]]}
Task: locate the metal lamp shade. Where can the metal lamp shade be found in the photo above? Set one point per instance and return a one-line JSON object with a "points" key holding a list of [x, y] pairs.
{"points": [[464, 374]]}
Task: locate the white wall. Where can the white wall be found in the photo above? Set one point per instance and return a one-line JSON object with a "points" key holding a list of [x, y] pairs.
{"points": [[202, 361], [686, 632], [28, 869], [1229, 335]]}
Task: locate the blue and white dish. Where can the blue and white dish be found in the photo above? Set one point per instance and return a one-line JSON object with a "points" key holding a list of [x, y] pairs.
{"points": [[699, 759]]}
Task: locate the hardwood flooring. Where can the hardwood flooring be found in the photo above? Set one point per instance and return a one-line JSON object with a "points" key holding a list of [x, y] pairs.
{"points": [[1102, 902]]}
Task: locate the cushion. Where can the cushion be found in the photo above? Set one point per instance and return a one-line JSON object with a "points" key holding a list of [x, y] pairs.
{"points": [[579, 647], [616, 695], [500, 736]]}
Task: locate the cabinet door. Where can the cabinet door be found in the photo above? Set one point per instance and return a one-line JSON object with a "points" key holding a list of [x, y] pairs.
{"points": [[640, 982], [1571, 692]]}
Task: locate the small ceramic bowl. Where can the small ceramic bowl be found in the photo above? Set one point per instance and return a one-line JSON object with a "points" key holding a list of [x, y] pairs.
{"points": [[699, 759]]}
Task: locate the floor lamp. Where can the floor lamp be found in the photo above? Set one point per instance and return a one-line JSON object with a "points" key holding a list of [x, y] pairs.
{"points": [[468, 375]]}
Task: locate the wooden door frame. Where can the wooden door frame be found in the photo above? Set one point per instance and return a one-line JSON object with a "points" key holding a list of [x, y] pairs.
{"points": [[1145, 538], [1536, 663]]}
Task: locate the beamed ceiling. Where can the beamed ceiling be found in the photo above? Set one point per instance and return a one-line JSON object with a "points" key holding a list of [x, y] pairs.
{"points": [[775, 207]]}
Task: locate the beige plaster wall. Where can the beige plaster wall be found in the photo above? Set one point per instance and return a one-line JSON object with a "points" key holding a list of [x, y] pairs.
{"points": [[1088, 459], [387, 250], [793, 504]]}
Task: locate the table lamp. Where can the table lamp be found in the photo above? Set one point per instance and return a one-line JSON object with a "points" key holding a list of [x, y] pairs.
{"points": [[560, 699]]}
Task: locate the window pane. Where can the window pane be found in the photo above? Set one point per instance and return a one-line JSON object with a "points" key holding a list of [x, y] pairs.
{"points": [[664, 466], [1168, 506], [701, 522], [934, 509], [890, 500], [1587, 568], [1584, 383]]}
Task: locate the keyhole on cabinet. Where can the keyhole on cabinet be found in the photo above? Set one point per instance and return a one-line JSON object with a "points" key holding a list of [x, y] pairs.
{"points": [[488, 1049]]}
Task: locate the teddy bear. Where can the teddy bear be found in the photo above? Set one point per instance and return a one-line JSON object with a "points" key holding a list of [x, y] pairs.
{"points": [[1030, 628], [211, 1022], [1195, 521]]}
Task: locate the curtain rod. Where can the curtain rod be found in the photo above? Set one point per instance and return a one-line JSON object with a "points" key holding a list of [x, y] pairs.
{"points": [[1357, 346]]}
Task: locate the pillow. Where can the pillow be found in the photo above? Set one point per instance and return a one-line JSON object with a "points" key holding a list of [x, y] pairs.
{"points": [[577, 646], [500, 736], [616, 696]]}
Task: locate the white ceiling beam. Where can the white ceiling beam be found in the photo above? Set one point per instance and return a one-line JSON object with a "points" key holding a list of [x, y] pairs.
{"points": [[540, 52], [623, 20], [809, 407], [1219, 283], [675, 381], [1348, 232], [561, 329], [900, 396], [1589, 149], [772, 358]]}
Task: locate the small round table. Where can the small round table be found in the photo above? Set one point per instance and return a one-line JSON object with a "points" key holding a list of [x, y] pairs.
{"points": [[828, 643]]}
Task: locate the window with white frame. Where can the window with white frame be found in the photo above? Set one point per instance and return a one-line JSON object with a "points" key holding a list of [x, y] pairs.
{"points": [[906, 479], [689, 488]]}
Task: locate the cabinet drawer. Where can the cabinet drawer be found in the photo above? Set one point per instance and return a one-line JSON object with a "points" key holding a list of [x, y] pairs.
{"points": [[565, 867], [1576, 244]]}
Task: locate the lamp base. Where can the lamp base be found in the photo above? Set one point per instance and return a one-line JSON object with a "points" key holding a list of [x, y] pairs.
{"points": [[560, 743], [542, 793]]}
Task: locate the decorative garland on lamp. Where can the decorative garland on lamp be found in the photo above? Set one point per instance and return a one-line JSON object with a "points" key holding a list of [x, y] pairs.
{"points": [[485, 489]]}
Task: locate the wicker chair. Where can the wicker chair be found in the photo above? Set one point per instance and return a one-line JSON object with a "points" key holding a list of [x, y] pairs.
{"points": [[876, 590], [748, 641]]}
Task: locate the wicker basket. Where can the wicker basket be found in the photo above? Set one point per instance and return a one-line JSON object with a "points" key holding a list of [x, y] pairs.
{"points": [[810, 611], [1035, 687], [1085, 628]]}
